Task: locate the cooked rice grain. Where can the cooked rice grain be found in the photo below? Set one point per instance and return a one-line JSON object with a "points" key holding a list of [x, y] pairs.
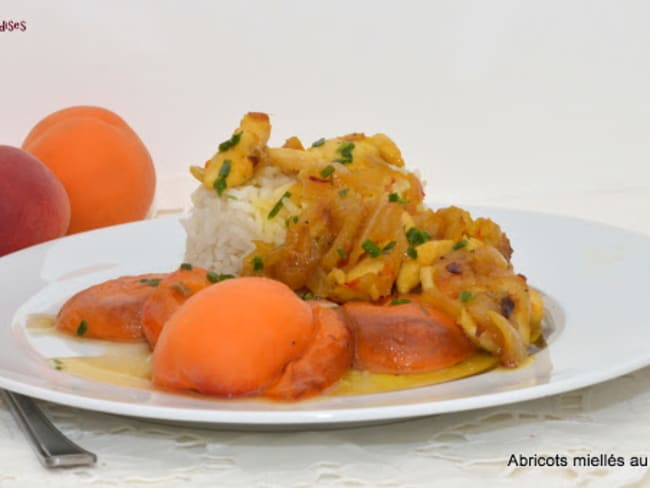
{"points": [[221, 230]]}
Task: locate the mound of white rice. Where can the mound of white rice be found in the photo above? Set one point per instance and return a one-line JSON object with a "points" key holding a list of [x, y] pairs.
{"points": [[221, 229]]}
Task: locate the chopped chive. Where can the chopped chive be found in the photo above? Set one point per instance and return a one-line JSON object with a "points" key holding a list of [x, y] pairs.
{"points": [[220, 184], [58, 364], [388, 247], [230, 143], [343, 192], [465, 296], [424, 310], [182, 288], [412, 252], [399, 301], [293, 219], [258, 264], [459, 245], [152, 282], [319, 142], [308, 295], [186, 267], [83, 327], [216, 278], [394, 197], [232, 197], [327, 171], [371, 248], [278, 206], [341, 252], [417, 236], [345, 150]]}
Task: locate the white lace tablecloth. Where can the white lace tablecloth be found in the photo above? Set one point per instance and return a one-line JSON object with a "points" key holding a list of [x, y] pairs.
{"points": [[457, 449]]}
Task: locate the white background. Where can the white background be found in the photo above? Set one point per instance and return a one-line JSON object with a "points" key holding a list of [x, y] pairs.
{"points": [[532, 104]]}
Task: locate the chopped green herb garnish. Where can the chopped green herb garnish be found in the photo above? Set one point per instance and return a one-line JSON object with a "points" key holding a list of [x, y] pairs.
{"points": [[394, 197], [341, 252], [308, 295], [425, 311], [345, 150], [389, 246], [230, 143], [459, 245], [327, 171], [319, 142], [465, 296], [293, 219], [220, 184], [186, 267], [343, 192], [152, 282], [232, 197], [216, 278], [412, 252], [182, 288], [83, 327], [399, 301], [371, 248], [278, 206], [58, 364], [417, 236], [258, 264]]}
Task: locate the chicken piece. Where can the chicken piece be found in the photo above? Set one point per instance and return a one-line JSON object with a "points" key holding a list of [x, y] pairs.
{"points": [[237, 157], [456, 224]]}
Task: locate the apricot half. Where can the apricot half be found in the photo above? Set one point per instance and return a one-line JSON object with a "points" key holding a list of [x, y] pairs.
{"points": [[174, 290], [408, 338], [110, 310], [233, 338], [326, 359]]}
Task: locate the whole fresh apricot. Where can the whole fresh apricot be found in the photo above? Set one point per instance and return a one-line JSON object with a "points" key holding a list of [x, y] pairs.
{"points": [[34, 206], [104, 166]]}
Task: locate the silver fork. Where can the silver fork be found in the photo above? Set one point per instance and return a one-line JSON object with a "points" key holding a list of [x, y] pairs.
{"points": [[54, 449]]}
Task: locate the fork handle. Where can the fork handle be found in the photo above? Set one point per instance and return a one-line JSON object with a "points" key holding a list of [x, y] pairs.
{"points": [[54, 449]]}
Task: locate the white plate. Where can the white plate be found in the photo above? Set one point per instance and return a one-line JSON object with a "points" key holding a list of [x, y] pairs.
{"points": [[594, 278]]}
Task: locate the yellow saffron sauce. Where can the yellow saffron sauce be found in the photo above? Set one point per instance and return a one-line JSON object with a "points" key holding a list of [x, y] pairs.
{"points": [[129, 364]]}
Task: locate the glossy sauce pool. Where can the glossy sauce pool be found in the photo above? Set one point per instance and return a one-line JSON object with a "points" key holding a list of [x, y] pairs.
{"points": [[129, 365]]}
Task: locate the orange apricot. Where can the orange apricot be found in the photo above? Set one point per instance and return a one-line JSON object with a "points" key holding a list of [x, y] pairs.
{"points": [[174, 290], [233, 338], [408, 338], [110, 310], [104, 166], [327, 358]]}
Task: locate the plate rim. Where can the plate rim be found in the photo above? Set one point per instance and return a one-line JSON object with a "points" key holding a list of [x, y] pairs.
{"points": [[338, 416]]}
